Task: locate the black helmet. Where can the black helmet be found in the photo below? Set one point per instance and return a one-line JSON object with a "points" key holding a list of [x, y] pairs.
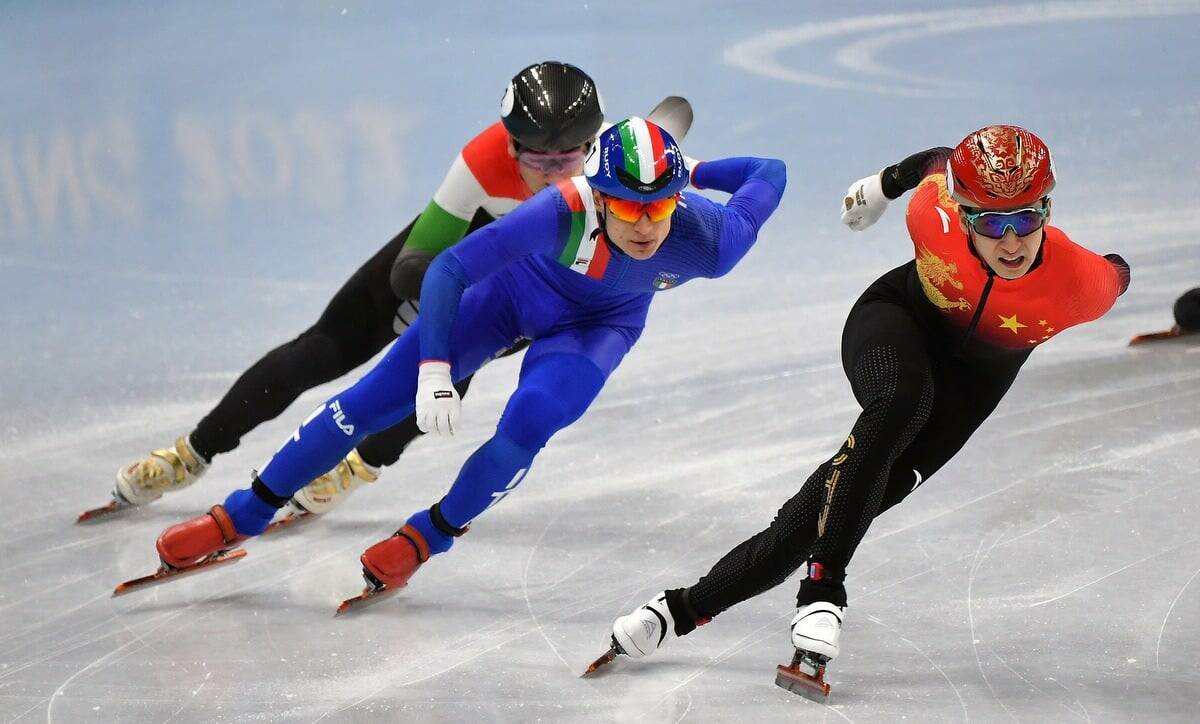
{"points": [[552, 106]]}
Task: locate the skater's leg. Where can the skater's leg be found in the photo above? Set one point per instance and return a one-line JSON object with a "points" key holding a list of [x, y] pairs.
{"points": [[886, 361], [967, 394], [383, 397], [383, 448], [560, 377], [359, 321]]}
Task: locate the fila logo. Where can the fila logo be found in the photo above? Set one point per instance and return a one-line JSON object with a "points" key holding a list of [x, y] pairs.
{"points": [[499, 495], [339, 418]]}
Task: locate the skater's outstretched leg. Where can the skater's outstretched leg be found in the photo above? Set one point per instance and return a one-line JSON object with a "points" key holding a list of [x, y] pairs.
{"points": [[358, 322], [560, 377]]}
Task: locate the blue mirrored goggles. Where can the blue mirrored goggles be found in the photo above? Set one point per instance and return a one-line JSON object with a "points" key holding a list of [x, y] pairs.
{"points": [[994, 224]]}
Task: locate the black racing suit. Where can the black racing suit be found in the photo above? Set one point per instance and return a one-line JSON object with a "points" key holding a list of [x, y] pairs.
{"points": [[924, 386], [923, 393]]}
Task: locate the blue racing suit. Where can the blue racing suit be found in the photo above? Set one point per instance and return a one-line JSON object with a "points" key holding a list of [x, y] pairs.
{"points": [[544, 272]]}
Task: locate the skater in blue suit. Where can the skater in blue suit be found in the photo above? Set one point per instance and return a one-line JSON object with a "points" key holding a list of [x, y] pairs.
{"points": [[574, 270]]}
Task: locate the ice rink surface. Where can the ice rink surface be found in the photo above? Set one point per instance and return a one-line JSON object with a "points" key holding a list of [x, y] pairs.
{"points": [[184, 186]]}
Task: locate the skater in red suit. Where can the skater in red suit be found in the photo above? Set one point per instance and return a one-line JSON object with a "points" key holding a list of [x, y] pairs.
{"points": [[929, 349]]}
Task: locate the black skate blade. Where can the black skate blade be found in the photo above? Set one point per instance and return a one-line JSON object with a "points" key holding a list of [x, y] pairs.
{"points": [[288, 521], [369, 597], [674, 114], [1171, 333], [798, 681], [163, 575], [604, 660], [116, 505]]}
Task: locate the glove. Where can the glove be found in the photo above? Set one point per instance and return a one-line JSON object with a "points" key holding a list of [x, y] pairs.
{"points": [[438, 404], [864, 203]]}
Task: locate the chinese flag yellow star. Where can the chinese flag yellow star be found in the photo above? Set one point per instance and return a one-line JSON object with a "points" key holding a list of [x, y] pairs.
{"points": [[1010, 323]]}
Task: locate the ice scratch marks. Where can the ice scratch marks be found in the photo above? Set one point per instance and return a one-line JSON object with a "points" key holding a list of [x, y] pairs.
{"points": [[971, 618], [1138, 562], [1161, 629], [932, 663]]}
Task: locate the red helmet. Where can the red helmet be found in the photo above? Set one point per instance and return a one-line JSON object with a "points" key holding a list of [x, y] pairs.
{"points": [[1000, 167]]}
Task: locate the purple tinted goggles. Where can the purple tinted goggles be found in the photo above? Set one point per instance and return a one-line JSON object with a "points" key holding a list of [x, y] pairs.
{"points": [[551, 161]]}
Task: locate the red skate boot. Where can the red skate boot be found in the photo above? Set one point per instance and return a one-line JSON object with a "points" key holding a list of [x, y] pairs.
{"points": [[193, 545], [185, 544], [389, 564]]}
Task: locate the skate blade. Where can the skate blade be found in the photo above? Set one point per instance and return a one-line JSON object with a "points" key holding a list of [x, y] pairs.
{"points": [[290, 520], [798, 681], [369, 597], [163, 575], [113, 506], [1155, 336], [604, 660]]}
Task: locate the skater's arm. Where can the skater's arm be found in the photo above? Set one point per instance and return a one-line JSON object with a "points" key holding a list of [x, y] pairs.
{"points": [[867, 198], [757, 185], [1095, 281], [532, 228], [441, 225], [899, 178]]}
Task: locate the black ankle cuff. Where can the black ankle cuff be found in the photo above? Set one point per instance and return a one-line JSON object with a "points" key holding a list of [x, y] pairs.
{"points": [[443, 525], [205, 453], [686, 618], [267, 495], [829, 591]]}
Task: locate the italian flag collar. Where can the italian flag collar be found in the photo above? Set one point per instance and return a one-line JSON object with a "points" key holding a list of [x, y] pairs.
{"points": [[586, 251]]}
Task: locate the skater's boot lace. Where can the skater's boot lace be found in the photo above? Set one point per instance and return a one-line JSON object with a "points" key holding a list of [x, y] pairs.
{"points": [[331, 489], [164, 470], [642, 632], [817, 628]]}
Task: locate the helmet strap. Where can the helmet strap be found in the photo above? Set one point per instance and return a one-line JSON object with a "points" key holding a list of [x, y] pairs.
{"points": [[603, 218]]}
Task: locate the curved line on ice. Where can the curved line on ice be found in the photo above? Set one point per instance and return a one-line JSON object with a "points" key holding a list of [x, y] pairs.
{"points": [[759, 54]]}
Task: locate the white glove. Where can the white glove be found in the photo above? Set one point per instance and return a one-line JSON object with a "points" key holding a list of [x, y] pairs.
{"points": [[438, 404], [864, 203]]}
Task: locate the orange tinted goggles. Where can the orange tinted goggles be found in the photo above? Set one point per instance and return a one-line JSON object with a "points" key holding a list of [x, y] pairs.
{"points": [[630, 211]]}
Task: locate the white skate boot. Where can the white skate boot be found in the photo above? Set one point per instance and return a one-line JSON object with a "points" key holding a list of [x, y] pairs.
{"points": [[162, 471], [642, 632], [816, 629], [331, 489]]}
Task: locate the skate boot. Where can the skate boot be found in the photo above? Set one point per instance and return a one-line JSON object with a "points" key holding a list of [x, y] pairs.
{"points": [[173, 468], [194, 541], [642, 632], [331, 489], [390, 563], [816, 629]]}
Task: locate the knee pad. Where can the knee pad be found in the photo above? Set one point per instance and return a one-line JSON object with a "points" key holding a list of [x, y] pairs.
{"points": [[408, 273]]}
